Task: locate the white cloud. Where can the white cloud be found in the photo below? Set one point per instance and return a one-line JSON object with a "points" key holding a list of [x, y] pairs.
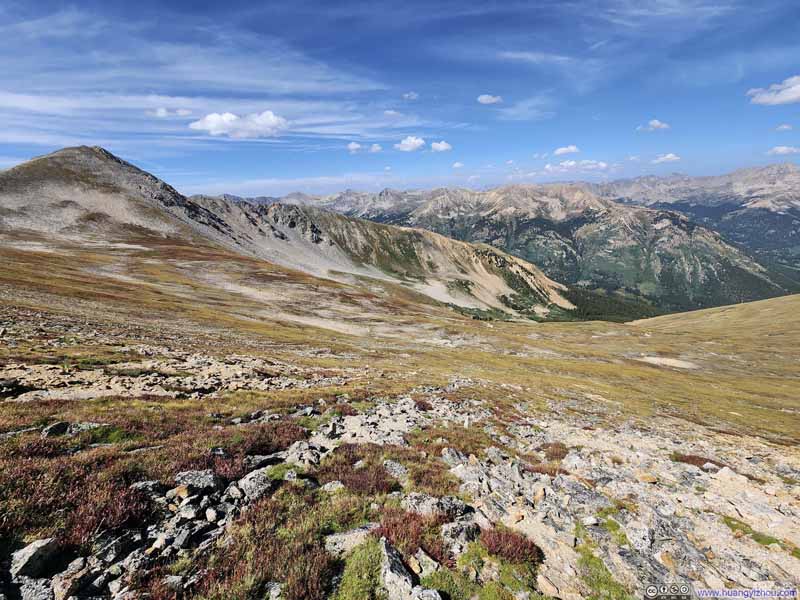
{"points": [[783, 127], [633, 158], [411, 96], [441, 146], [392, 113], [489, 99], [541, 155], [353, 147], [783, 150], [653, 125], [571, 149], [410, 144], [458, 165], [257, 125], [569, 166], [375, 148], [164, 113], [666, 158], [786, 92]]}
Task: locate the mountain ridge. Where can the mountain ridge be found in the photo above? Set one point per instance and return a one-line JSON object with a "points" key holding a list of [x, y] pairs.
{"points": [[580, 238], [87, 191]]}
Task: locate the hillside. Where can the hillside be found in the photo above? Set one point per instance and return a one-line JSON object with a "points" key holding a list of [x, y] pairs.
{"points": [[757, 208], [88, 194], [583, 240]]}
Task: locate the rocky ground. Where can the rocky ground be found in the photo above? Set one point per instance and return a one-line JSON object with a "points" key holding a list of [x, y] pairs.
{"points": [[172, 463]]}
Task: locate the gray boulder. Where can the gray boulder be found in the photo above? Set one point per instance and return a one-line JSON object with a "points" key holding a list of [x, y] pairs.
{"points": [[35, 589], [256, 484], [32, 560], [342, 544], [424, 504], [206, 481], [396, 579]]}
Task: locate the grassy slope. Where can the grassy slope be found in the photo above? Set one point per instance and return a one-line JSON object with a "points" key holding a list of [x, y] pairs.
{"points": [[746, 354]]}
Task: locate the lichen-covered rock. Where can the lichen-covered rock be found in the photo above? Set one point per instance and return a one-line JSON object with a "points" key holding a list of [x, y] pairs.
{"points": [[199, 481], [256, 483]]}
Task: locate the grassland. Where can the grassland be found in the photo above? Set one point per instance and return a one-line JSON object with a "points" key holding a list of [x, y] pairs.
{"points": [[744, 357]]}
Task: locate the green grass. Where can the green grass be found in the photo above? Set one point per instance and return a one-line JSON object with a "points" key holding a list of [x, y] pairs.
{"points": [[278, 472], [595, 574], [758, 537], [361, 579]]}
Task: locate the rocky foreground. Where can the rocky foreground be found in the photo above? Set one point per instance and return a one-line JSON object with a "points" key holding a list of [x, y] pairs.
{"points": [[168, 471]]}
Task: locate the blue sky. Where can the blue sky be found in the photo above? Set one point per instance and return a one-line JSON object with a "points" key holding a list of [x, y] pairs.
{"points": [[321, 96]]}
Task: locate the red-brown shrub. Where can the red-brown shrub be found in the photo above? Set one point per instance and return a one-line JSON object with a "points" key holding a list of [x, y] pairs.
{"points": [[511, 546], [344, 410], [408, 532], [369, 478], [103, 506], [423, 404], [554, 450], [270, 543], [551, 469]]}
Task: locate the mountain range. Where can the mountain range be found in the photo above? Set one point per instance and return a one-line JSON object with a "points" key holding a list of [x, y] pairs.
{"points": [[620, 250], [586, 237], [87, 195], [758, 209]]}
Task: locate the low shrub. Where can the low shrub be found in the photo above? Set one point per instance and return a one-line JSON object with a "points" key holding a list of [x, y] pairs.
{"points": [[370, 478], [409, 532], [344, 410], [694, 459], [103, 506], [551, 469], [422, 404], [511, 546], [554, 451], [277, 540]]}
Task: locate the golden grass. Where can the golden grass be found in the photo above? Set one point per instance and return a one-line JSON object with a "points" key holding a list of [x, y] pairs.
{"points": [[747, 355]]}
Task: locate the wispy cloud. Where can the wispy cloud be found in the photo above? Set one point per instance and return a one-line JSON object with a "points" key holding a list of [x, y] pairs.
{"points": [[576, 166], [783, 127], [571, 149], [535, 58], [535, 108], [783, 150]]}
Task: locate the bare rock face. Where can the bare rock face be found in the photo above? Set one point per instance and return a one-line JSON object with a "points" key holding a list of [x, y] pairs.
{"points": [[33, 559]]}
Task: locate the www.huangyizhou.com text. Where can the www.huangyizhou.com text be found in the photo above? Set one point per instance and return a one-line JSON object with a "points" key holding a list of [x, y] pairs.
{"points": [[745, 593]]}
